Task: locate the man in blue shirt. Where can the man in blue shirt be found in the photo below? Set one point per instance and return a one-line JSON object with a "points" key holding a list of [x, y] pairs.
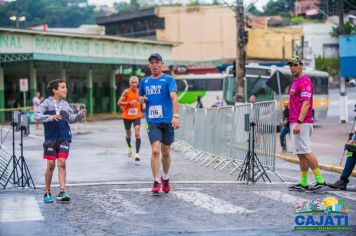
{"points": [[159, 92]]}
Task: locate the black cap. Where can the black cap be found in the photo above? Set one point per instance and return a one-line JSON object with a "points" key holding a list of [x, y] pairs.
{"points": [[155, 55]]}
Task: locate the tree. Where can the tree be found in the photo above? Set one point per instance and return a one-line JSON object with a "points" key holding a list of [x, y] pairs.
{"points": [[279, 7], [59, 13], [348, 26]]}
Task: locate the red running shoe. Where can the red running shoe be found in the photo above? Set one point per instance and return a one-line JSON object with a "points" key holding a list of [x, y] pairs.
{"points": [[156, 187], [165, 185]]}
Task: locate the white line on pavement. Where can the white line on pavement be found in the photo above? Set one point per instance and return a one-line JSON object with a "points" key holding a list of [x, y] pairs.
{"points": [[210, 203], [150, 182], [281, 197], [343, 194], [19, 208]]}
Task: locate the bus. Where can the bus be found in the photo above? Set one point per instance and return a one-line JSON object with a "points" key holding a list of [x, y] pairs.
{"points": [[207, 86], [273, 83]]}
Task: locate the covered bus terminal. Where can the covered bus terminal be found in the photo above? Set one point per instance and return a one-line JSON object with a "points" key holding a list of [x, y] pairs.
{"points": [[95, 67]]}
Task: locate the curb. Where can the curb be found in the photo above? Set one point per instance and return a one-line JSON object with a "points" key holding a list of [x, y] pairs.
{"points": [[292, 159]]}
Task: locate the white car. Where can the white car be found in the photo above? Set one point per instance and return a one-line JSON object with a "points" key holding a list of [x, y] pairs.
{"points": [[352, 82]]}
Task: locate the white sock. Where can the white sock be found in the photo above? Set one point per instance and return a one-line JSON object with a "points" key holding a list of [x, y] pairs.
{"points": [[165, 176], [156, 180]]}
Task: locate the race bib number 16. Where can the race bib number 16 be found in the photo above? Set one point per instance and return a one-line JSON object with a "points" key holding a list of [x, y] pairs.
{"points": [[155, 112]]}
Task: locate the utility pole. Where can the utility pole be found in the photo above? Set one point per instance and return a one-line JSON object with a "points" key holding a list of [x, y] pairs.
{"points": [[240, 51], [343, 94]]}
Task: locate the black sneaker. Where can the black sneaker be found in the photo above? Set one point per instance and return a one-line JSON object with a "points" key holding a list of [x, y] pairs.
{"points": [[63, 197], [316, 188], [340, 184], [298, 187]]}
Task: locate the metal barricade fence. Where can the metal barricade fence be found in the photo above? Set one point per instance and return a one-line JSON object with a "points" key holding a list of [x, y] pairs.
{"points": [[265, 133], [218, 134]]}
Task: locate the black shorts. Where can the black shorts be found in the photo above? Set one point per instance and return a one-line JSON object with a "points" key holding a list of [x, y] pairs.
{"points": [[163, 132], [54, 149], [128, 123]]}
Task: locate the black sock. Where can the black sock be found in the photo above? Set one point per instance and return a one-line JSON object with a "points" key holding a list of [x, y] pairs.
{"points": [[128, 140], [138, 144]]}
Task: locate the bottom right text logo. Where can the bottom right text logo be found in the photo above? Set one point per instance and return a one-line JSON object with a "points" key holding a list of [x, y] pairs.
{"points": [[327, 214]]}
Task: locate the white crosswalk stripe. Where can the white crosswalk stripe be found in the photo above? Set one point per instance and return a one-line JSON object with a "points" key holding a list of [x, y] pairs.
{"points": [[344, 194], [210, 203], [280, 197], [19, 208]]}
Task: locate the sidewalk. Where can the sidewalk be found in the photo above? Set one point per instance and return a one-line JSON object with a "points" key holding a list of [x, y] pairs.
{"points": [[327, 143]]}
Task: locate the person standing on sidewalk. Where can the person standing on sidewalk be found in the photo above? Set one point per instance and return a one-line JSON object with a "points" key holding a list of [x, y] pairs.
{"points": [[159, 92], [131, 114], [349, 165], [285, 127], [56, 114], [36, 101], [301, 124]]}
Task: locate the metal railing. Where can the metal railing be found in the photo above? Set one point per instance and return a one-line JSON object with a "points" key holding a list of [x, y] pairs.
{"points": [[217, 137]]}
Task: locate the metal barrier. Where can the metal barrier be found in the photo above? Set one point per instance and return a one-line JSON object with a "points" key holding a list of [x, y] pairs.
{"points": [[217, 136]]}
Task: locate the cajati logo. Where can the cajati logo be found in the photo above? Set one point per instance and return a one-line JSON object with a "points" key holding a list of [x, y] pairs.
{"points": [[327, 214]]}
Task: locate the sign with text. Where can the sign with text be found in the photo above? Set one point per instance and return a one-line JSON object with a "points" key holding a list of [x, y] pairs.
{"points": [[65, 47], [23, 85]]}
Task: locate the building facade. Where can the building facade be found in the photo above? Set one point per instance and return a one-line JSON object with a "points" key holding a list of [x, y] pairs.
{"points": [[94, 66], [204, 33]]}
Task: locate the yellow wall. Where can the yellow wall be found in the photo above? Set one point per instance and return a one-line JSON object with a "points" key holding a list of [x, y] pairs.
{"points": [[209, 33], [206, 33], [268, 43]]}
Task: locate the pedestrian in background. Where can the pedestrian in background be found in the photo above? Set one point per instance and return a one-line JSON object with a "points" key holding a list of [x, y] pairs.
{"points": [[301, 124], [131, 114], [349, 165], [218, 103], [36, 101], [56, 114], [199, 103], [285, 126], [159, 92]]}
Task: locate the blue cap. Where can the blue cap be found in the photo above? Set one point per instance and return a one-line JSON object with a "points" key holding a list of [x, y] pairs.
{"points": [[155, 55]]}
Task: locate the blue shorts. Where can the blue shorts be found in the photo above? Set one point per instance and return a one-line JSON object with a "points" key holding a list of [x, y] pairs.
{"points": [[163, 132]]}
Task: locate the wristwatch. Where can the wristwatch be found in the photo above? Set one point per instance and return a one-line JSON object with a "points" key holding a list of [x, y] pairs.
{"points": [[299, 122], [176, 115]]}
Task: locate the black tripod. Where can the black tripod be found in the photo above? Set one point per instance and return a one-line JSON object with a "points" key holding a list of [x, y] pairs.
{"points": [[13, 178], [20, 174], [252, 169]]}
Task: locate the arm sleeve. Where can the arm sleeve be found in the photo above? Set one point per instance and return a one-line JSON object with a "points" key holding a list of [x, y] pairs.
{"points": [[73, 117], [306, 91], [39, 114], [141, 89], [172, 86]]}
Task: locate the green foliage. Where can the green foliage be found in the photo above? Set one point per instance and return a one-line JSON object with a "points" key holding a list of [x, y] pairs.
{"points": [[297, 20], [59, 13], [330, 65], [348, 26], [279, 7], [193, 3]]}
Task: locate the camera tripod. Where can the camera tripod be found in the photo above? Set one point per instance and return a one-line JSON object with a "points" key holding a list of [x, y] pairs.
{"points": [[252, 168], [353, 129], [14, 174], [20, 174]]}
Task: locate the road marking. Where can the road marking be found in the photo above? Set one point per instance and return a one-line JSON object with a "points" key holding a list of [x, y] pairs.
{"points": [[19, 208], [147, 190], [281, 197], [344, 194], [150, 182], [210, 203], [115, 198]]}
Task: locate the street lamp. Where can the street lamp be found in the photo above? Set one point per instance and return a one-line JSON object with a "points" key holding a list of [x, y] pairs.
{"points": [[17, 19]]}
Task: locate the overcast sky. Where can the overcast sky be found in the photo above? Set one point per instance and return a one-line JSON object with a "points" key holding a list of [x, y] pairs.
{"points": [[259, 4]]}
